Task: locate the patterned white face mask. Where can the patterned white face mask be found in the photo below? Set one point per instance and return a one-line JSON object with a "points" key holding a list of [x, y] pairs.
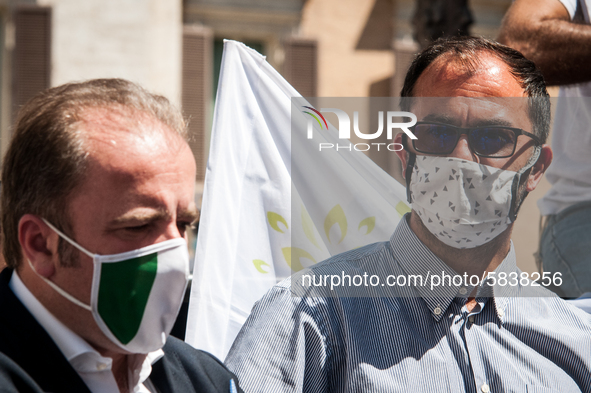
{"points": [[462, 203]]}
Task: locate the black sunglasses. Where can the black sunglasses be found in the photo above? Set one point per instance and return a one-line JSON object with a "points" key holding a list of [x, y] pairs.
{"points": [[484, 141]]}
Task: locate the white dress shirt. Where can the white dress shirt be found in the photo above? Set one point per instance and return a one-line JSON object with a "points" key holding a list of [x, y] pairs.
{"points": [[93, 368]]}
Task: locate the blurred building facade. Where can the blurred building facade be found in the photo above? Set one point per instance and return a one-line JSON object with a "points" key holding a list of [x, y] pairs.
{"points": [[329, 48], [325, 48]]}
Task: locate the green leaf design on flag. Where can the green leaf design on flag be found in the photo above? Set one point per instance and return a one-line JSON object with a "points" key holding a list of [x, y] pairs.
{"points": [[258, 264], [308, 227], [336, 216], [369, 222], [274, 219], [293, 256], [402, 208], [123, 294]]}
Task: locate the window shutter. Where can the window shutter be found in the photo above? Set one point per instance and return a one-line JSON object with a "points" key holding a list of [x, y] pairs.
{"points": [[32, 54], [196, 92], [300, 67]]}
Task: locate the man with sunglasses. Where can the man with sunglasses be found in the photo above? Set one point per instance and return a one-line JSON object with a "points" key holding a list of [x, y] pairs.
{"points": [[483, 119]]}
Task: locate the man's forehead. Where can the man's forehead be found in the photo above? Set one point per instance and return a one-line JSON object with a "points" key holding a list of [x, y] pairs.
{"points": [[136, 161], [470, 92], [483, 74], [469, 109], [116, 119], [119, 128]]}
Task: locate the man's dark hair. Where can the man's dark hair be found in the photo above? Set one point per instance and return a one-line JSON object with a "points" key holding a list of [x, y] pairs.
{"points": [[47, 157], [466, 51]]}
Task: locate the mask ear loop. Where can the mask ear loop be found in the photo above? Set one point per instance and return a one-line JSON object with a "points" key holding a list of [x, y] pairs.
{"points": [[515, 206], [412, 157], [51, 283], [61, 291], [66, 238]]}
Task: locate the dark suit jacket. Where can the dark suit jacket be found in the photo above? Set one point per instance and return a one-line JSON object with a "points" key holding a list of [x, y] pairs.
{"points": [[31, 362]]}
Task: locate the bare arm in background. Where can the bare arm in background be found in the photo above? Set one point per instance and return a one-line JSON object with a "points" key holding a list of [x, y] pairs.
{"points": [[543, 31]]}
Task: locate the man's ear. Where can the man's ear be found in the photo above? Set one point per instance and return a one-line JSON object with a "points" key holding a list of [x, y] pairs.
{"points": [[402, 154], [38, 243], [538, 169]]}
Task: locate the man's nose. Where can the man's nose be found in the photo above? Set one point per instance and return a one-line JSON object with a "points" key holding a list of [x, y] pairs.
{"points": [[462, 150], [171, 231]]}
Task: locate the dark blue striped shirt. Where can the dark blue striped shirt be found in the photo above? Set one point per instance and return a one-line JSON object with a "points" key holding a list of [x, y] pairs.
{"points": [[411, 338]]}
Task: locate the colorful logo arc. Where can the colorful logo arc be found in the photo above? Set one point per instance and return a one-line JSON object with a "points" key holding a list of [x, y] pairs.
{"points": [[319, 114]]}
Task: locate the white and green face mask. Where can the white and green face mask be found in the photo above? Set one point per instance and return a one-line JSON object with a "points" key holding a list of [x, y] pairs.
{"points": [[136, 295]]}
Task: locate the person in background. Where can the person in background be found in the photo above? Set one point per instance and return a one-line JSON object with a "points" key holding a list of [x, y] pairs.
{"points": [[97, 192], [556, 35]]}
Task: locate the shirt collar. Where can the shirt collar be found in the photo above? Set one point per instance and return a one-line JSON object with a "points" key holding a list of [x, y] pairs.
{"points": [[81, 355], [416, 259]]}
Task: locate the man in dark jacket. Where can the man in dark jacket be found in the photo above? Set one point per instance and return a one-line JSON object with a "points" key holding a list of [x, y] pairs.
{"points": [[97, 190]]}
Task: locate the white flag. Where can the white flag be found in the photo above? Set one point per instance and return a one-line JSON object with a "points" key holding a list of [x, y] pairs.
{"points": [[266, 211]]}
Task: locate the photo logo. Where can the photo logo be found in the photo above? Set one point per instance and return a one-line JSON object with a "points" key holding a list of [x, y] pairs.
{"points": [[392, 123], [319, 114]]}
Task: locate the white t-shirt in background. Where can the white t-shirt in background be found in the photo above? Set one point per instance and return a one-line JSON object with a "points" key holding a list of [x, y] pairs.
{"points": [[570, 172]]}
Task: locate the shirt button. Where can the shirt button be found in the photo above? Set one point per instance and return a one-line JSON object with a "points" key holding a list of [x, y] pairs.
{"points": [[463, 291], [485, 388], [101, 366], [437, 311], [501, 313], [471, 318]]}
